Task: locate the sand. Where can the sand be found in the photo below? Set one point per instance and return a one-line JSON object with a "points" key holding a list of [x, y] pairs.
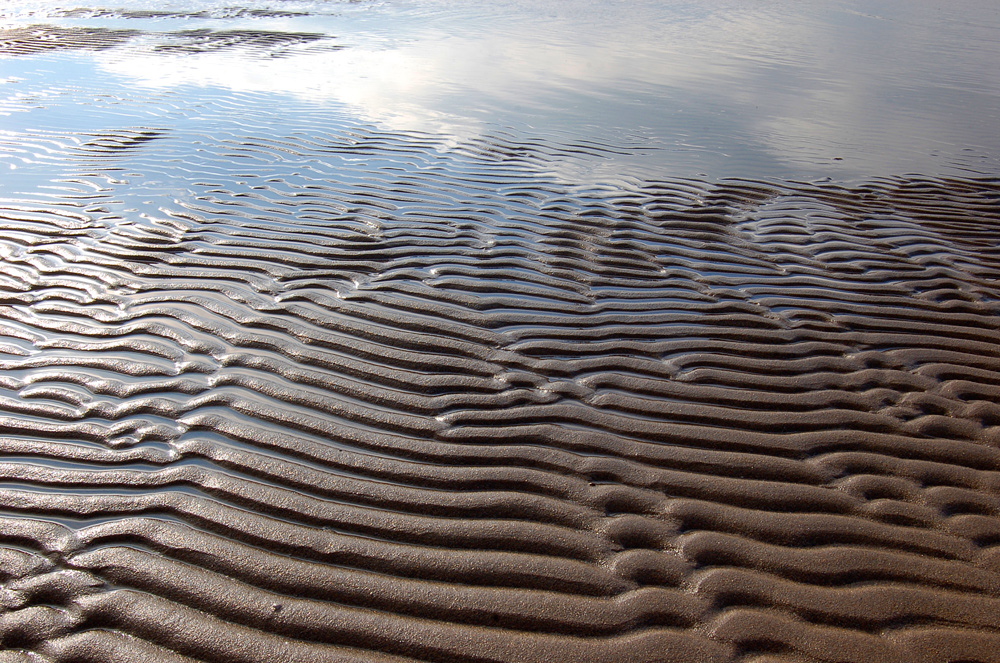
{"points": [[368, 399]]}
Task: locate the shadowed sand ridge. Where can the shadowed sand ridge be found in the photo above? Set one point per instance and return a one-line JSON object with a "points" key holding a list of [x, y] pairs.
{"points": [[39, 39], [333, 393]]}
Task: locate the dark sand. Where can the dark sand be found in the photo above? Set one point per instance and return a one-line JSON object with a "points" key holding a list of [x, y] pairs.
{"points": [[423, 406]]}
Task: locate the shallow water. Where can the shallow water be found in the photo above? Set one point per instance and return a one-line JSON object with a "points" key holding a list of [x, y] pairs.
{"points": [[419, 330]]}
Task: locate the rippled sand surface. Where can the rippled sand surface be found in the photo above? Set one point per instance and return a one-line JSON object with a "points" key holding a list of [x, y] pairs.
{"points": [[357, 332]]}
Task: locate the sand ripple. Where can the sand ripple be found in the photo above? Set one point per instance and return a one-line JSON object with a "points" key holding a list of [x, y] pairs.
{"points": [[360, 397]]}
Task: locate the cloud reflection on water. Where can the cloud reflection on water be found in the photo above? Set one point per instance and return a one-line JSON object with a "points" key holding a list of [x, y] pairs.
{"points": [[729, 88]]}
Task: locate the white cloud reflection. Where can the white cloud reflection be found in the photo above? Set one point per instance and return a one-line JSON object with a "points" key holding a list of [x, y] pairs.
{"points": [[731, 86]]}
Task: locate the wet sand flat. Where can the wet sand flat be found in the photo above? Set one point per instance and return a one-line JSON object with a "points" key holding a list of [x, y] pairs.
{"points": [[284, 377]]}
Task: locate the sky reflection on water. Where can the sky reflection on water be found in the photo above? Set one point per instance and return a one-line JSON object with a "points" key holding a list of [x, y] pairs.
{"points": [[845, 89]]}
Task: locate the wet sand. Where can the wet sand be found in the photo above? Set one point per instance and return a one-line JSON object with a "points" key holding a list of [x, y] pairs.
{"points": [[359, 394]]}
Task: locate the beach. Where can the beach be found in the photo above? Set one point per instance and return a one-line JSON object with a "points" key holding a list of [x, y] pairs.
{"points": [[426, 331]]}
